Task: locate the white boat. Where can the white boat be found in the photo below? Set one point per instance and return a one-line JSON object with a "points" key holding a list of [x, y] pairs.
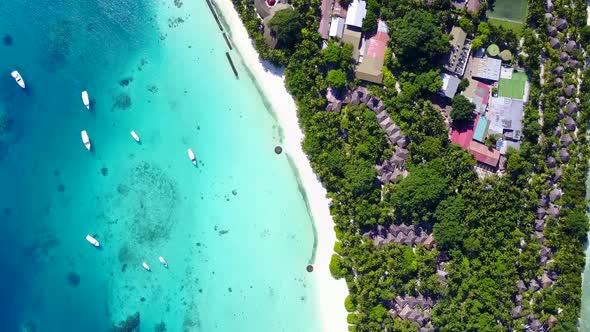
{"points": [[191, 155], [85, 99], [135, 136], [19, 80], [85, 139], [145, 266], [92, 240], [161, 259]]}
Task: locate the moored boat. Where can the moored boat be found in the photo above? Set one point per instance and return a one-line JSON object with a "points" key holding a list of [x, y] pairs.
{"points": [[161, 259], [19, 80], [85, 99], [145, 266], [92, 240], [191, 155], [85, 139], [135, 136]]}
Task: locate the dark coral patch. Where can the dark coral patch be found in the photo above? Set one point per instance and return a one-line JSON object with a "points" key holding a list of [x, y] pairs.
{"points": [[7, 39], [73, 279], [104, 171]]}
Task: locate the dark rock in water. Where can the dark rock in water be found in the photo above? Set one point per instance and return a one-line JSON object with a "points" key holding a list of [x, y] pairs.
{"points": [[61, 188], [7, 39], [278, 149], [55, 172], [104, 171], [178, 3], [124, 267], [7, 211], [73, 279], [235, 192], [131, 324], [309, 268], [229, 289], [142, 299], [126, 81], [160, 327]]}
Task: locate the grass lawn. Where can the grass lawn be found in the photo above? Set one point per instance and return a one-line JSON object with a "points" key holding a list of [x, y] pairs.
{"points": [[514, 87], [508, 10], [514, 26]]}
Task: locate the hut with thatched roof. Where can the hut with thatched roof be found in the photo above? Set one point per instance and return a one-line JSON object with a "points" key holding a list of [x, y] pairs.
{"points": [[561, 24], [554, 195], [572, 108], [558, 82], [554, 43], [551, 162], [569, 90], [570, 46], [563, 56], [558, 71], [569, 124], [564, 155], [566, 140]]}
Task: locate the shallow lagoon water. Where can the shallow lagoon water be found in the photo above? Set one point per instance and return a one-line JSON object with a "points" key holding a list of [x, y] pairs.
{"points": [[235, 230]]}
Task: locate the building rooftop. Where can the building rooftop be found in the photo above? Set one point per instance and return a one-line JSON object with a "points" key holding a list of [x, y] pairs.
{"points": [[486, 68], [337, 27], [450, 85], [483, 154], [505, 116], [459, 51], [326, 9], [370, 70], [357, 10], [352, 37], [481, 129]]}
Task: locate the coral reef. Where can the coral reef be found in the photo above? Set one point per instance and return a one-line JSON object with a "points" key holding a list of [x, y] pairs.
{"points": [[131, 324]]}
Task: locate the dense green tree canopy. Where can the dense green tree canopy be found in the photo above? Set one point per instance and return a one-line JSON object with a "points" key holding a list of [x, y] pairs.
{"points": [[417, 196], [336, 78], [286, 25], [462, 112], [417, 40]]}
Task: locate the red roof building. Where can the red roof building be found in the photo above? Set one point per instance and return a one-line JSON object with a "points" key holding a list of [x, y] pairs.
{"points": [[483, 154]]}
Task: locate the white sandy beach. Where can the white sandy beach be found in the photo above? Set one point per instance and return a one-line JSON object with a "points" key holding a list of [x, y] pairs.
{"points": [[331, 292]]}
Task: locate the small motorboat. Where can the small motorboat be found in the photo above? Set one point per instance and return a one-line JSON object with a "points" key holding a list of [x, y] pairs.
{"points": [[145, 266], [191, 155], [85, 99], [92, 240], [19, 80], [161, 259], [85, 140], [135, 136]]}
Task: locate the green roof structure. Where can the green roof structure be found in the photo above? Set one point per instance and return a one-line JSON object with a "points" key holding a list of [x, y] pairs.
{"points": [[493, 50]]}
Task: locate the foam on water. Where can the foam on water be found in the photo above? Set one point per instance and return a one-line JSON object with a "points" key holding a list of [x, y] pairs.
{"points": [[234, 230]]}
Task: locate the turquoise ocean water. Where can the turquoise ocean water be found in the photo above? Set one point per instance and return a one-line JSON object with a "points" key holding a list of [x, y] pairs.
{"points": [[235, 230]]}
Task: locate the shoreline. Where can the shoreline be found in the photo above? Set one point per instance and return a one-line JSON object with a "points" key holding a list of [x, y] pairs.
{"points": [[330, 292]]}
